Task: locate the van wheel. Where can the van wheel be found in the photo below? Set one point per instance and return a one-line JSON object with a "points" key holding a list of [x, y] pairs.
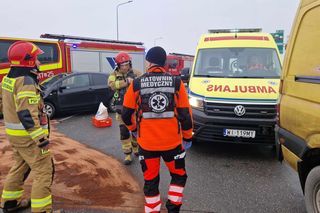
{"points": [[312, 191], [49, 109]]}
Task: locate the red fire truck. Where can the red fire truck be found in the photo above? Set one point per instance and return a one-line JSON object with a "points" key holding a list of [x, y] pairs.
{"points": [[176, 62], [65, 54]]}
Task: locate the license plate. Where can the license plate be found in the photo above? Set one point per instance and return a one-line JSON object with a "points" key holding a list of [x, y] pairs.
{"points": [[239, 133]]}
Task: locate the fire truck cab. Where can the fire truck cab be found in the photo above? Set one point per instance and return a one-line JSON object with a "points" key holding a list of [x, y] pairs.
{"points": [[176, 62]]}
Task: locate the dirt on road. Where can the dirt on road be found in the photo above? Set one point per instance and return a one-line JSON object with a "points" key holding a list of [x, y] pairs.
{"points": [[84, 177]]}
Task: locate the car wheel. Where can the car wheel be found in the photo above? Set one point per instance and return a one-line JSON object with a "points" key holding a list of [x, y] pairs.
{"points": [[312, 191], [111, 106], [49, 109]]}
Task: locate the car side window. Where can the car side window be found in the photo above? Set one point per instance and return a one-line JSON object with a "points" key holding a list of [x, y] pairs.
{"points": [[76, 81], [99, 79]]}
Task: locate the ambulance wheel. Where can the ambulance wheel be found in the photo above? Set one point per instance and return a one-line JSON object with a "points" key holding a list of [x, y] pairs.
{"points": [[49, 109], [312, 191]]}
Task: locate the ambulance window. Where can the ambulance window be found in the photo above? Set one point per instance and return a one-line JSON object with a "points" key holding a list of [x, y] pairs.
{"points": [[50, 54], [4, 46]]}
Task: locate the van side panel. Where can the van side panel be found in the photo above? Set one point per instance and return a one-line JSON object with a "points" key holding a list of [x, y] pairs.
{"points": [[300, 103], [300, 116]]}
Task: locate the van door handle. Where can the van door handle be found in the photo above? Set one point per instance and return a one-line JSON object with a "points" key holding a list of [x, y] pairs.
{"points": [[307, 79]]}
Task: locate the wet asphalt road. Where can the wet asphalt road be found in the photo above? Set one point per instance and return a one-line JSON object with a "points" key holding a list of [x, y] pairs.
{"points": [[222, 177]]}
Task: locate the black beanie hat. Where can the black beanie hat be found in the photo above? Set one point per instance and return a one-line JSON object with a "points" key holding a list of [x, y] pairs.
{"points": [[157, 55]]}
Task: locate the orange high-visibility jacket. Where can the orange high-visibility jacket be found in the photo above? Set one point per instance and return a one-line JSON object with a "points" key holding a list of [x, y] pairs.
{"points": [[158, 134]]}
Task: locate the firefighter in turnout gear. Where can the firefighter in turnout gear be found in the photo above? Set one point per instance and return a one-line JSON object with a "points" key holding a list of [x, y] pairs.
{"points": [[27, 129], [157, 110], [119, 81]]}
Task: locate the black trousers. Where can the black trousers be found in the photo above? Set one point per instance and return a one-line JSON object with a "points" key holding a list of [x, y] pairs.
{"points": [[150, 164]]}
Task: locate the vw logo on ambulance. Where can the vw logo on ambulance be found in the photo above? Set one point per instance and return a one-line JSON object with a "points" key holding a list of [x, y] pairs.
{"points": [[239, 110]]}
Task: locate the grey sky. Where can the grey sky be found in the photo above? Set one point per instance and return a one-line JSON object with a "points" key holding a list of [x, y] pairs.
{"points": [[179, 23]]}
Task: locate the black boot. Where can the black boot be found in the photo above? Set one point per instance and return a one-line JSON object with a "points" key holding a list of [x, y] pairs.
{"points": [[13, 205], [172, 208]]}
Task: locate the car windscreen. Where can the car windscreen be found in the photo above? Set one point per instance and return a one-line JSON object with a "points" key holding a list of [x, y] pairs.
{"points": [[237, 62]]}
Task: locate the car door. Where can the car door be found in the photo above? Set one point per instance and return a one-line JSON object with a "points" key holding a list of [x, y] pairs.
{"points": [[99, 82], [75, 93]]}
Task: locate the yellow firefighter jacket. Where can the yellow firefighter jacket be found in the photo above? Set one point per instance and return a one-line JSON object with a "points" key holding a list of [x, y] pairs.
{"points": [[119, 83], [22, 107], [118, 80]]}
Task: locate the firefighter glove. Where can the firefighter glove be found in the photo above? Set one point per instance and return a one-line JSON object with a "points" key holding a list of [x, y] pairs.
{"points": [[43, 142], [186, 144]]}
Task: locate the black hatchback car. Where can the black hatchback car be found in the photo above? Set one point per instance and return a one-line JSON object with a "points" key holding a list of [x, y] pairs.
{"points": [[76, 92]]}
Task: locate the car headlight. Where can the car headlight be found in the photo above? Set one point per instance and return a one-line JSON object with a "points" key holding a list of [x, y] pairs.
{"points": [[196, 102]]}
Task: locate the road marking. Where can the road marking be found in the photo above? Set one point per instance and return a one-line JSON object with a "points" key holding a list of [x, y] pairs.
{"points": [[66, 118]]}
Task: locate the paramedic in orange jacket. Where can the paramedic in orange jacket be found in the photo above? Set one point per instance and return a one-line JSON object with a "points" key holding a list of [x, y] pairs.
{"points": [[163, 125]]}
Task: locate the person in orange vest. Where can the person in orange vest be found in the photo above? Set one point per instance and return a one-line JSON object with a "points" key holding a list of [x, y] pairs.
{"points": [[156, 109], [27, 129]]}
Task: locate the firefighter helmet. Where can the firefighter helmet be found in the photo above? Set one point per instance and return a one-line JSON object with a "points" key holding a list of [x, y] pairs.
{"points": [[122, 58], [23, 54]]}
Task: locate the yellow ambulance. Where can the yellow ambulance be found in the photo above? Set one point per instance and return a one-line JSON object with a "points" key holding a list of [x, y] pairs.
{"points": [[234, 86]]}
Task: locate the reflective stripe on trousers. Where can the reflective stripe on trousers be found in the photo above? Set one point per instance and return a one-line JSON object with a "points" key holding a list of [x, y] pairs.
{"points": [[40, 203], [175, 194], [12, 194], [153, 204]]}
